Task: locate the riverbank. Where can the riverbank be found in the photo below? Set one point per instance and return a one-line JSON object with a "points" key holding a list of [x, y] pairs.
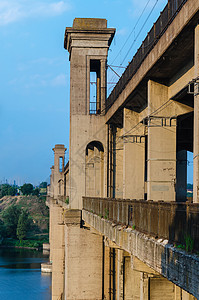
{"points": [[35, 242]]}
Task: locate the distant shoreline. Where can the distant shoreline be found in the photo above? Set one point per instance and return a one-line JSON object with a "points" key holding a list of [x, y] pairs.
{"points": [[21, 247]]}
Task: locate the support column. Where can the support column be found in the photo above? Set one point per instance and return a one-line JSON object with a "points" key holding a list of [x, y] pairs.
{"points": [[83, 260], [103, 84], [161, 288], [196, 124], [144, 286], [90, 176], [161, 174], [134, 153], [119, 164], [151, 285], [57, 251], [119, 272], [97, 173], [187, 296], [102, 174], [106, 271], [133, 281]]}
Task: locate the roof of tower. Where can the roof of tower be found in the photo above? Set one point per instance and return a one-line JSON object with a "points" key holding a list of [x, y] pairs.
{"points": [[89, 23]]}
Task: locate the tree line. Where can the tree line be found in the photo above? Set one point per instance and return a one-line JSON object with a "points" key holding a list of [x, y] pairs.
{"points": [[26, 189], [15, 223]]}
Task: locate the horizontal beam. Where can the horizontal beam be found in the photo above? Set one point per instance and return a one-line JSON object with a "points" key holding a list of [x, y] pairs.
{"points": [[177, 222], [174, 264]]}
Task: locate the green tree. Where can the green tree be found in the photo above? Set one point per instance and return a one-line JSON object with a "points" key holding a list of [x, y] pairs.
{"points": [[23, 225], [27, 189], [10, 217], [36, 192], [7, 190], [2, 230], [12, 190], [43, 185], [189, 186]]}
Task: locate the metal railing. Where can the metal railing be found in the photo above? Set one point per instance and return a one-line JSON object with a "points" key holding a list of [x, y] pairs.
{"points": [[174, 221], [166, 17]]}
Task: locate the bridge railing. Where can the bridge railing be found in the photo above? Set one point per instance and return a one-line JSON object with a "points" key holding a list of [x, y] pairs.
{"points": [[166, 17], [177, 222]]}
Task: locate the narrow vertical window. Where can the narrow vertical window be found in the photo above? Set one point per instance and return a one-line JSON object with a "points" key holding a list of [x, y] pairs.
{"points": [[60, 164], [95, 87]]}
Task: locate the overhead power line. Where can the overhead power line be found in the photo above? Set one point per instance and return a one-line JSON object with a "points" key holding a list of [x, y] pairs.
{"points": [[114, 71], [140, 30], [131, 31], [117, 67], [129, 36]]}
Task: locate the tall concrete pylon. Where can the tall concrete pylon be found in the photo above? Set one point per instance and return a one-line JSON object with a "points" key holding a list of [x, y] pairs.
{"points": [[87, 42], [59, 162]]}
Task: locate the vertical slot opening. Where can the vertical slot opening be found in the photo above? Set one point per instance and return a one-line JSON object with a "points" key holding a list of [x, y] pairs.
{"points": [[95, 87], [60, 164]]}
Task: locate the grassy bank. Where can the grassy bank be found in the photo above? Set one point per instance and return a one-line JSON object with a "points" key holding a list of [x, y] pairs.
{"points": [[36, 241]]}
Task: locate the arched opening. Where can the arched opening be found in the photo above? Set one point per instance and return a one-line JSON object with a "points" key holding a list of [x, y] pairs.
{"points": [[60, 187], [94, 172]]}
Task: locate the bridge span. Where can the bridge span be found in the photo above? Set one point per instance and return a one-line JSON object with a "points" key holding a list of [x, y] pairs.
{"points": [[121, 224]]}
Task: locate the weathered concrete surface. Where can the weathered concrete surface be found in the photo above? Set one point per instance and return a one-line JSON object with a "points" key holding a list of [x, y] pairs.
{"points": [[92, 175], [57, 250], [88, 40], [176, 265], [161, 166], [83, 260], [89, 23], [133, 182]]}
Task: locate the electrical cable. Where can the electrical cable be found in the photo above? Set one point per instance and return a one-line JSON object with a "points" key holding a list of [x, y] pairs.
{"points": [[131, 31], [140, 30], [113, 77], [152, 113], [137, 34]]}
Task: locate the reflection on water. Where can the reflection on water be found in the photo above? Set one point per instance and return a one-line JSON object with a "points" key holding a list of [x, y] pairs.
{"points": [[21, 277]]}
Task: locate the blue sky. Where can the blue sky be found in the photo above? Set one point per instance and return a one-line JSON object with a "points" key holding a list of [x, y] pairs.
{"points": [[34, 73]]}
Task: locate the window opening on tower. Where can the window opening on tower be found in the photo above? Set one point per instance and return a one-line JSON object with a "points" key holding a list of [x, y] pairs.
{"points": [[61, 164], [95, 87]]}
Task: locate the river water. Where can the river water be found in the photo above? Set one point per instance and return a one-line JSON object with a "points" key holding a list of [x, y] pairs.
{"points": [[21, 277]]}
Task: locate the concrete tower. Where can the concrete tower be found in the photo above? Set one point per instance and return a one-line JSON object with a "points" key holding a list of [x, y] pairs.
{"points": [[59, 161], [87, 42]]}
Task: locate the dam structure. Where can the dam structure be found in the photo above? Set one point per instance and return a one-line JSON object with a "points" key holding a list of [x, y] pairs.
{"points": [[121, 225]]}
